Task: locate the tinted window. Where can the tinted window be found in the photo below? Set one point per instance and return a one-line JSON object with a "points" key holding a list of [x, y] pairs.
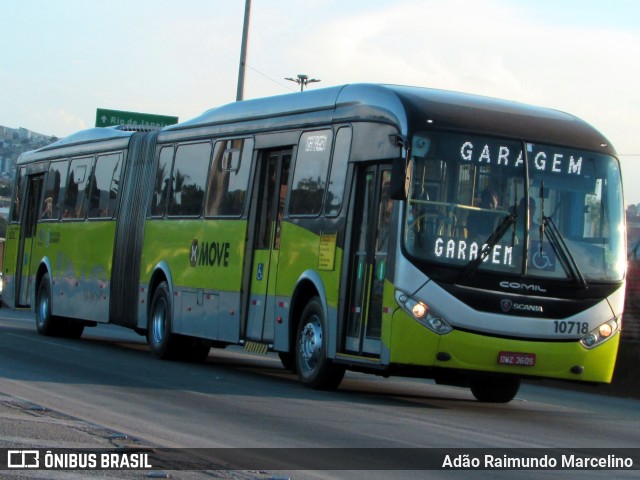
{"points": [[189, 179], [335, 191], [163, 182], [310, 176], [17, 196], [76, 197], [105, 183], [54, 190], [229, 177]]}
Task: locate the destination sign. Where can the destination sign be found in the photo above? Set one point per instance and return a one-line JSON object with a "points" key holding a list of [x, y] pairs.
{"points": [[542, 160]]}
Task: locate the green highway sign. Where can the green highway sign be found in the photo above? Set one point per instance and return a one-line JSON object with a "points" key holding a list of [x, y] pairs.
{"points": [[108, 118]]}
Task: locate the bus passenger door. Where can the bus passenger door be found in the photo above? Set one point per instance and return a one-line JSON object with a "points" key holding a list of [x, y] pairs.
{"points": [[267, 205], [368, 262], [28, 222]]}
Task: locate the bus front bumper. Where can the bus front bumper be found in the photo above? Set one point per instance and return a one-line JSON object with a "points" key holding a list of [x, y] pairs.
{"points": [[466, 351]]}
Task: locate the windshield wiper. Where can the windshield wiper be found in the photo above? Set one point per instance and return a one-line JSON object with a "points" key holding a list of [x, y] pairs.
{"points": [[548, 227], [562, 251], [491, 242]]}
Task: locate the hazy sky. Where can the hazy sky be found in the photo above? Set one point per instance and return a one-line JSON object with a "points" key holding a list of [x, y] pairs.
{"points": [[60, 60]]}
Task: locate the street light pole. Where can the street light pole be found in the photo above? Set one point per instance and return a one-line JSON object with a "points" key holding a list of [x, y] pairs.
{"points": [[302, 80], [243, 51]]}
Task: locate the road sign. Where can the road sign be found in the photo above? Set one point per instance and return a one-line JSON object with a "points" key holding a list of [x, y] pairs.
{"points": [[108, 118]]}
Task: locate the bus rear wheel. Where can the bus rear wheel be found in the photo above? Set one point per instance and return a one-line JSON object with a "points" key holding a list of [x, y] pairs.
{"points": [[46, 323], [315, 370], [161, 341], [494, 389]]}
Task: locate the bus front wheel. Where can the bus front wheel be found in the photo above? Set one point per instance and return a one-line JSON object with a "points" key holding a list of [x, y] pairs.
{"points": [[494, 389], [315, 370]]}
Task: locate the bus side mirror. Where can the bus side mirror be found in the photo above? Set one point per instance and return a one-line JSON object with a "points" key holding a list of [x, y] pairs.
{"points": [[398, 190], [399, 180]]}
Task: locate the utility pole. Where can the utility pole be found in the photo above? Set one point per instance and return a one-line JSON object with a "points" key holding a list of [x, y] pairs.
{"points": [[243, 51], [303, 80]]}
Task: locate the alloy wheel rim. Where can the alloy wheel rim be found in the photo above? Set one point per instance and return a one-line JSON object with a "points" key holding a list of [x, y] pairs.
{"points": [[311, 343]]}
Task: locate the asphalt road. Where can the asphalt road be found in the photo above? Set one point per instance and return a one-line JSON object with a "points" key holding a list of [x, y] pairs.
{"points": [[107, 389]]}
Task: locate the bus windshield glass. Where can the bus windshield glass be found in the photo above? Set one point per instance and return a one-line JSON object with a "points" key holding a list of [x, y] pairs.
{"points": [[482, 204]]}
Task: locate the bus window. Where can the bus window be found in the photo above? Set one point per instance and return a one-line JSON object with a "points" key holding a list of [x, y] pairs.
{"points": [[189, 179], [162, 186], [76, 194], [229, 177], [54, 190], [105, 182], [338, 172], [310, 176], [17, 192]]}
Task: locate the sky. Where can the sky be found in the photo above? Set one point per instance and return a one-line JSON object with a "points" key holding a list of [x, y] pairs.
{"points": [[61, 60]]}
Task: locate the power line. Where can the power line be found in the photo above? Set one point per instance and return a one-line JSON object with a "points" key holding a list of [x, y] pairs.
{"points": [[269, 78]]}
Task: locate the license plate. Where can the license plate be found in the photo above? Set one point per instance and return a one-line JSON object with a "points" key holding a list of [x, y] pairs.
{"points": [[517, 359]]}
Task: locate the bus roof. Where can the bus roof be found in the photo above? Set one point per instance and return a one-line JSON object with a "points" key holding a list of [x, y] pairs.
{"points": [[408, 108], [84, 141], [448, 110]]}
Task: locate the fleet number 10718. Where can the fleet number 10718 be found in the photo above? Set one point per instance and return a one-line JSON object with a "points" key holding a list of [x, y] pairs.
{"points": [[569, 327]]}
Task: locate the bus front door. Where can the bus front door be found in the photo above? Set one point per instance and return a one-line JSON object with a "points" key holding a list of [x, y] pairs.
{"points": [[28, 222], [267, 206], [368, 261]]}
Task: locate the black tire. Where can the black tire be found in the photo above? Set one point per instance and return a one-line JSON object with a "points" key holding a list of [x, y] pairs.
{"points": [[288, 360], [193, 350], [163, 344], [46, 323], [70, 328], [494, 389], [315, 370]]}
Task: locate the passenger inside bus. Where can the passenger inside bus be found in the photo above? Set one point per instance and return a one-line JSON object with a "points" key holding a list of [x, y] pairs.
{"points": [[482, 223]]}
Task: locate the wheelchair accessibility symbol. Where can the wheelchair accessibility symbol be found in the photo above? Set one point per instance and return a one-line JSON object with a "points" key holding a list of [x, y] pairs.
{"points": [[542, 261], [260, 272]]}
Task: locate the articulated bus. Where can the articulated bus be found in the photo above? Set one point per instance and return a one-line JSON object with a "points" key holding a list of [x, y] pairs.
{"points": [[383, 229]]}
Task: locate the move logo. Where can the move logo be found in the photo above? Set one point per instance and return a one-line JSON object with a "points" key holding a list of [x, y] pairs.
{"points": [[210, 254]]}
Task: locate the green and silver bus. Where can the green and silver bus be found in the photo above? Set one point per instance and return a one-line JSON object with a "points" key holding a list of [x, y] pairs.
{"points": [[384, 229]]}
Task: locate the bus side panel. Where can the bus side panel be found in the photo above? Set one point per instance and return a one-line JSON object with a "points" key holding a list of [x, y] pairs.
{"points": [[80, 254], [205, 259], [10, 257], [300, 251]]}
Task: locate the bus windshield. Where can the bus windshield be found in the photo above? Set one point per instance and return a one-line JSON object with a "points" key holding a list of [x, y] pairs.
{"points": [[482, 204]]}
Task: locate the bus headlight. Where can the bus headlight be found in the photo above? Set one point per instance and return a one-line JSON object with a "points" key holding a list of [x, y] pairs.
{"points": [[423, 313], [600, 334]]}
